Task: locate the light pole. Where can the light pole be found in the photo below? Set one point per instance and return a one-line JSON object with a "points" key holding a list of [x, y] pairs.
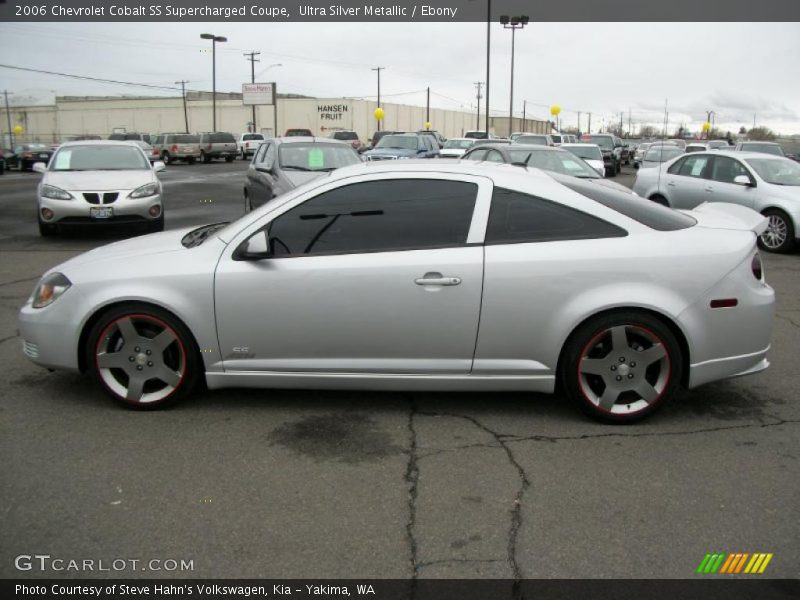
{"points": [[488, 57], [214, 39], [512, 23], [379, 69], [710, 116], [183, 83]]}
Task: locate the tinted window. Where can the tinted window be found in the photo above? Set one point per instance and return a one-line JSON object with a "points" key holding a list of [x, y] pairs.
{"points": [[345, 135], [517, 217], [222, 138], [316, 156], [251, 136], [377, 216], [185, 139], [765, 148], [726, 169], [648, 213]]}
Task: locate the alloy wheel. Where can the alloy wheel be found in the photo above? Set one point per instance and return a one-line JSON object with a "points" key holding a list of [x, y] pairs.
{"points": [[624, 369], [775, 235], [140, 359]]}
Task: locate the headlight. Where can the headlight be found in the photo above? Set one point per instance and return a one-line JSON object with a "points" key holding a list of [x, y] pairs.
{"points": [[49, 289], [49, 191], [150, 189]]}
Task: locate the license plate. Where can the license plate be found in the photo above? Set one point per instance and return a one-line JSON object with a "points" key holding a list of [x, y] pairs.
{"points": [[101, 212], [43, 156]]}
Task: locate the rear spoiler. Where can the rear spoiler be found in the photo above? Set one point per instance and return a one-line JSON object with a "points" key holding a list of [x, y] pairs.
{"points": [[724, 215]]}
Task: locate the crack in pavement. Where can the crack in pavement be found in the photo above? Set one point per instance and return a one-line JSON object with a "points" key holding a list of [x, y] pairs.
{"points": [[790, 319], [11, 337], [5, 283], [445, 561], [516, 512], [587, 436], [433, 453], [412, 480]]}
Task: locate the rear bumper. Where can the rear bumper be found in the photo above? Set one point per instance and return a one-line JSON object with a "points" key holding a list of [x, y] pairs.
{"points": [[731, 366]]}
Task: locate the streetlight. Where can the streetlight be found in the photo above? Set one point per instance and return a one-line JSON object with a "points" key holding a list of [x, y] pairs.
{"points": [[710, 120], [512, 23], [214, 39]]}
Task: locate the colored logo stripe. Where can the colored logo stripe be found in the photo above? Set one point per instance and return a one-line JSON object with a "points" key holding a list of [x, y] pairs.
{"points": [[734, 563]]}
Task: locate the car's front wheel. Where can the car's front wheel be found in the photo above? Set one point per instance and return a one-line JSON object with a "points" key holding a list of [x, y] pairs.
{"points": [[47, 229], [779, 235], [621, 366], [142, 356]]}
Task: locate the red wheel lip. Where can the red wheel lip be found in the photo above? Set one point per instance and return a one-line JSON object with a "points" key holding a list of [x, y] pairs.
{"points": [[666, 382], [160, 322]]}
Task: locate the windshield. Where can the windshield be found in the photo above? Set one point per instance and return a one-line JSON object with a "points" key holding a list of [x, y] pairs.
{"points": [[316, 156], [460, 144], [476, 135], [587, 152], [184, 139], [763, 148], [100, 157], [252, 136], [556, 161], [662, 153], [713, 145], [606, 142], [556, 139], [778, 172], [401, 142]]}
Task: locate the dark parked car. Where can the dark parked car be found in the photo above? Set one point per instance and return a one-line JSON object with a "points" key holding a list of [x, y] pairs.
{"points": [[440, 140], [404, 145], [546, 158], [23, 157], [218, 144], [282, 164], [611, 147], [376, 137], [298, 133]]}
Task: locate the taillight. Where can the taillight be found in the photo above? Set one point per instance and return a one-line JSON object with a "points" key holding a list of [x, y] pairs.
{"points": [[208, 147], [755, 265], [174, 147]]}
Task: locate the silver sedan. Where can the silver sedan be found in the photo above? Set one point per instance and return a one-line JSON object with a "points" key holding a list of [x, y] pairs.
{"points": [[98, 183], [377, 276], [765, 183]]}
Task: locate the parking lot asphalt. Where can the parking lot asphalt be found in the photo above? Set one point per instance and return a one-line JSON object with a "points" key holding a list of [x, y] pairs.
{"points": [[293, 483]]}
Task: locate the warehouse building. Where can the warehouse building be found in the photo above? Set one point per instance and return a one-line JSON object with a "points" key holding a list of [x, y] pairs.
{"points": [[71, 116]]}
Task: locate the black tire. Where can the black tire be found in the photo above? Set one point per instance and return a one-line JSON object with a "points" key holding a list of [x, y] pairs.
{"points": [[156, 225], [619, 168], [205, 158], [2, 167], [659, 199], [179, 355], [644, 337], [229, 158], [191, 160], [47, 229], [612, 172], [166, 158], [780, 234]]}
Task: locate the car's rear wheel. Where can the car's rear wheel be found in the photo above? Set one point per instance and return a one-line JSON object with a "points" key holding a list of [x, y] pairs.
{"points": [[779, 235], [229, 159], [166, 158], [659, 199], [621, 366], [142, 356], [205, 157]]}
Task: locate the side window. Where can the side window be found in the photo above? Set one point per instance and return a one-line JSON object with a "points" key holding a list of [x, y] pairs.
{"points": [[494, 156], [477, 154], [377, 216], [516, 217], [725, 169], [676, 167]]}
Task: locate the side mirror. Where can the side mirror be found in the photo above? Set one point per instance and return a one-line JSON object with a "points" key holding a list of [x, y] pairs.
{"points": [[39, 167], [255, 247], [742, 180], [159, 166]]}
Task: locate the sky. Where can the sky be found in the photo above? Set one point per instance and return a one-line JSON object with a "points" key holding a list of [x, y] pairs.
{"points": [[741, 71]]}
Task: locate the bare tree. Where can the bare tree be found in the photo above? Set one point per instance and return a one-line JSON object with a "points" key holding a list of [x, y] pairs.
{"points": [[761, 133]]}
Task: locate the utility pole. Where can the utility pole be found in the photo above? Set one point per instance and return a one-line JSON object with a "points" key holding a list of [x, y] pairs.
{"points": [[629, 121], [428, 107], [251, 56], [478, 85], [579, 122], [621, 114], [524, 111], [589, 128], [488, 47], [379, 69], [183, 94], [11, 131]]}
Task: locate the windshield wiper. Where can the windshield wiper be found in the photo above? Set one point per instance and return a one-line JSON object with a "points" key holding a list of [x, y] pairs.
{"points": [[295, 168]]}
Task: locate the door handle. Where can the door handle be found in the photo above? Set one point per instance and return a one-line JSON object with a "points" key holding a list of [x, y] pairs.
{"points": [[437, 279], [709, 189], [671, 184]]}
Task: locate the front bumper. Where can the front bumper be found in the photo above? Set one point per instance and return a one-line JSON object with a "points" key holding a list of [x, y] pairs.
{"points": [[50, 334], [77, 210]]}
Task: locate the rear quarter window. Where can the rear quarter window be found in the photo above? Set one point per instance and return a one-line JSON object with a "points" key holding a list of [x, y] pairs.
{"points": [[650, 214]]}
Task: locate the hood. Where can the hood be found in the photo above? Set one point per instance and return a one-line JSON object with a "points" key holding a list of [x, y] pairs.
{"points": [[391, 152], [144, 245], [95, 181], [724, 215]]}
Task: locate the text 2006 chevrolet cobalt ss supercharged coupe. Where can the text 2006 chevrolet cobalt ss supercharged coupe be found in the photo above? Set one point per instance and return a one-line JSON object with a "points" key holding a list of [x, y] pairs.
{"points": [[421, 277]]}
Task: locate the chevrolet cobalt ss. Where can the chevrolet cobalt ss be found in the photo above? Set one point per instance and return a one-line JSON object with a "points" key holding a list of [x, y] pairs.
{"points": [[408, 276]]}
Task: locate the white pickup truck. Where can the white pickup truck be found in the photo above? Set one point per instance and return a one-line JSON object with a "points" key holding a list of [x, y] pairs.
{"points": [[248, 143]]}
